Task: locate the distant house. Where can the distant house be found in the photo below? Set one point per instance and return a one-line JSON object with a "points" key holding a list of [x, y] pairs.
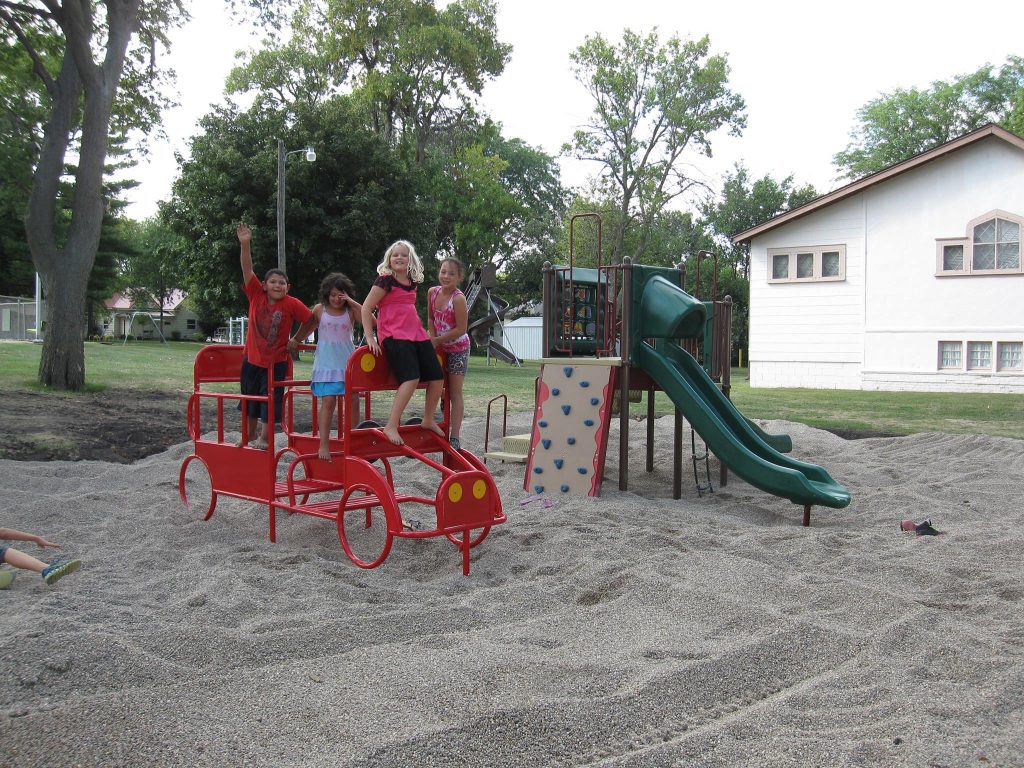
{"points": [[137, 313], [908, 279]]}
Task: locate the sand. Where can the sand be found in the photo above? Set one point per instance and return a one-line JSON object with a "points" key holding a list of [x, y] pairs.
{"points": [[626, 630]]}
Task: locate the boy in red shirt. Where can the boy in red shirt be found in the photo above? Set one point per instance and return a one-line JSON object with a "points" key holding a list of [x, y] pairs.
{"points": [[271, 314]]}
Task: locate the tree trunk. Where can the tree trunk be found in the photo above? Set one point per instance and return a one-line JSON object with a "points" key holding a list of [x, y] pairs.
{"points": [[62, 364], [81, 84]]}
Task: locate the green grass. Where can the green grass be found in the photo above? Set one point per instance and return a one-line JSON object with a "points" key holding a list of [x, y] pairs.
{"points": [[154, 366]]}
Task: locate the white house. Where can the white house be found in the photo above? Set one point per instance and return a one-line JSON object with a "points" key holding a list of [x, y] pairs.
{"points": [[137, 313], [908, 279]]}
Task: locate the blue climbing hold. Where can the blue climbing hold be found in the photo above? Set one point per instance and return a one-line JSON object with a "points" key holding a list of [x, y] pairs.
{"points": [[565, 489], [588, 422], [594, 401], [537, 470], [559, 463], [582, 470], [566, 409], [542, 424], [567, 371], [584, 384], [556, 391], [571, 440], [538, 488], [546, 443]]}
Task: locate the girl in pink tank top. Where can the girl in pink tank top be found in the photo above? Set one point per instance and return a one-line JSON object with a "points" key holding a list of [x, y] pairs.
{"points": [[447, 321]]}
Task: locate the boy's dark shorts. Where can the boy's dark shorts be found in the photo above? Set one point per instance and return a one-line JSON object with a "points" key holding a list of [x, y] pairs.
{"points": [[253, 381], [411, 360]]}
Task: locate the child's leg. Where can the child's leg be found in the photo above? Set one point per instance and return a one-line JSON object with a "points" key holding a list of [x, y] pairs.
{"points": [[457, 406], [434, 389], [19, 559], [260, 442], [323, 424], [402, 397]]}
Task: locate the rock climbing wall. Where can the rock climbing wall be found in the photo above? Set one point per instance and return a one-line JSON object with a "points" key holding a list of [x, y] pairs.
{"points": [[570, 427]]}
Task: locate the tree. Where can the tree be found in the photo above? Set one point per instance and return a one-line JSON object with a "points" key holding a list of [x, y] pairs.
{"points": [[152, 268], [416, 68], [496, 197], [653, 103], [341, 212], [80, 86], [906, 122], [744, 203], [96, 78]]}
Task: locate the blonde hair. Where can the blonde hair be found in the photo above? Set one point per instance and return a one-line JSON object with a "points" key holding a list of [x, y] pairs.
{"points": [[415, 265]]}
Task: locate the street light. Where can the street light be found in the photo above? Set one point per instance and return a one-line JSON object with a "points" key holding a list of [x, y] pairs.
{"points": [[282, 158]]}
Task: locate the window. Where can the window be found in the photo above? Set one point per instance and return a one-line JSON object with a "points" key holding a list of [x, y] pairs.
{"points": [[979, 355], [780, 266], [991, 247], [813, 264], [190, 324], [953, 258], [1011, 356], [950, 355]]}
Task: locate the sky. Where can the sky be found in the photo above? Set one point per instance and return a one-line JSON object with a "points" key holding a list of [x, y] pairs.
{"points": [[803, 68]]}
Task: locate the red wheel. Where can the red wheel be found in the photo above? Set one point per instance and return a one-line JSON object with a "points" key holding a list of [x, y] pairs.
{"points": [[364, 528], [197, 485], [299, 473]]}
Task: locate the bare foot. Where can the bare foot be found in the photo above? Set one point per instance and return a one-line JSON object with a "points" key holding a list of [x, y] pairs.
{"points": [[241, 443], [324, 452], [391, 433], [432, 427], [260, 444]]}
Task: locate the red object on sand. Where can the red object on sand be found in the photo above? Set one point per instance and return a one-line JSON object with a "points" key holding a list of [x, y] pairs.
{"points": [[466, 504]]}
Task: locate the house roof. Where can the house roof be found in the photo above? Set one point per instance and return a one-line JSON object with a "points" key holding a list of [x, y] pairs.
{"points": [[883, 175], [143, 301], [525, 321]]}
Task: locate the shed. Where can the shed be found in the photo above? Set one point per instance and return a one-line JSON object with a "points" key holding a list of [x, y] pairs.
{"points": [[524, 336]]}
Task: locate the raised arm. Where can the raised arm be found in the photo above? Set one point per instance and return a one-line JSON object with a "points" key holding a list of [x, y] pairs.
{"points": [[369, 322], [245, 241]]}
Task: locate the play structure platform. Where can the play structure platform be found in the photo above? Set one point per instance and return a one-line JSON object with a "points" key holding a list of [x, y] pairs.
{"points": [[356, 489], [627, 328]]}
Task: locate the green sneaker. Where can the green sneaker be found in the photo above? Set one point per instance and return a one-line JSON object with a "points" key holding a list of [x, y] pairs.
{"points": [[54, 572], [6, 579]]}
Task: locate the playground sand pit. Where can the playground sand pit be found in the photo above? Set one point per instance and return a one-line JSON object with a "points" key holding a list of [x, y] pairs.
{"points": [[627, 630]]}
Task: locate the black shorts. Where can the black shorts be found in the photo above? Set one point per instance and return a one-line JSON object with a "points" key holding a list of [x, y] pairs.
{"points": [[253, 381], [410, 360]]}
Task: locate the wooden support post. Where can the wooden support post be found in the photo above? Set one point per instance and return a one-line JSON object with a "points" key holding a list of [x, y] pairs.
{"points": [[677, 456], [650, 430], [807, 515]]}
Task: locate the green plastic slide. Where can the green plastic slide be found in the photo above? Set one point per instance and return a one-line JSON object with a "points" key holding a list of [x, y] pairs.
{"points": [[729, 436]]}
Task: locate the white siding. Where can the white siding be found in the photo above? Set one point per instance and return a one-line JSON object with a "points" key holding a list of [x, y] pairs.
{"points": [[524, 337], [809, 334], [880, 328]]}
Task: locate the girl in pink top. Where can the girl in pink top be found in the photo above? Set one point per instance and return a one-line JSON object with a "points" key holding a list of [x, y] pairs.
{"points": [[447, 321], [397, 331]]}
